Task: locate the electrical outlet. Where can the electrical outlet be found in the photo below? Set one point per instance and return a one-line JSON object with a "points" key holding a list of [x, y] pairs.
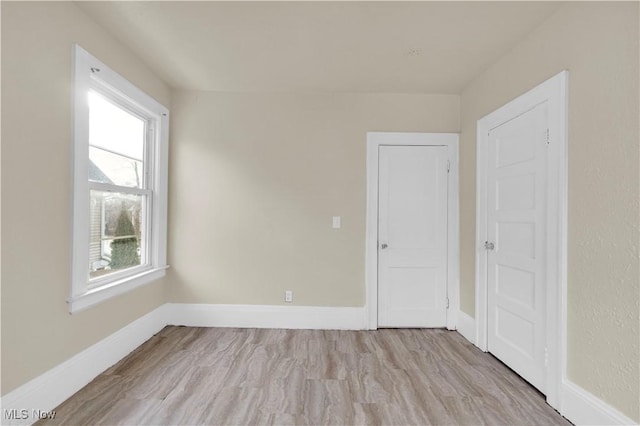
{"points": [[288, 296]]}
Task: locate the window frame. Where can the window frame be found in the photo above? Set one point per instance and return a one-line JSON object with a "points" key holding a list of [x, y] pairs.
{"points": [[92, 74]]}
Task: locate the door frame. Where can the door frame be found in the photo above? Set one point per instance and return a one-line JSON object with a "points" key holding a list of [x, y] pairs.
{"points": [[374, 141], [554, 92]]}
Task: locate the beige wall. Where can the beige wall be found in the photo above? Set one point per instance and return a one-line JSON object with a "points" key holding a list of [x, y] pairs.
{"points": [[598, 44], [255, 180], [37, 331]]}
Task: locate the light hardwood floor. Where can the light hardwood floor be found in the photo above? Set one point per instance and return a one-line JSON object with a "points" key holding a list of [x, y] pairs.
{"points": [[229, 376]]}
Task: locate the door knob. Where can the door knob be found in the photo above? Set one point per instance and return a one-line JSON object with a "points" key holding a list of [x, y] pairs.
{"points": [[384, 246], [488, 245]]}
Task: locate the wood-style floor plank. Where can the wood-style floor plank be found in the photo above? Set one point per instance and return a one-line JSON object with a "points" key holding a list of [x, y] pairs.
{"points": [[226, 376]]}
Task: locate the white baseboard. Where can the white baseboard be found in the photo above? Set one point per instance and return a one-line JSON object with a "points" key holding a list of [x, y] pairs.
{"points": [[583, 408], [579, 406], [467, 327], [267, 316], [48, 390]]}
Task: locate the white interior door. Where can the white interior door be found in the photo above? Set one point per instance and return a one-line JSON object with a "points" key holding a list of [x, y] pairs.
{"points": [[412, 235], [516, 227]]}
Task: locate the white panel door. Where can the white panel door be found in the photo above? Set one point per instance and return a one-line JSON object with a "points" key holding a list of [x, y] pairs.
{"points": [[516, 226], [412, 235]]}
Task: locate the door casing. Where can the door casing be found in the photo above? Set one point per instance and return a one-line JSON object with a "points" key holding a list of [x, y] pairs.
{"points": [[374, 141], [554, 93]]}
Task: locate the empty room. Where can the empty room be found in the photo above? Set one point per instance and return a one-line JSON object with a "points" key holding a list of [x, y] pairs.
{"points": [[320, 213]]}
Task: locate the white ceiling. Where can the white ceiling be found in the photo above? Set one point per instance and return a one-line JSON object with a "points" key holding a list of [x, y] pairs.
{"points": [[424, 47]]}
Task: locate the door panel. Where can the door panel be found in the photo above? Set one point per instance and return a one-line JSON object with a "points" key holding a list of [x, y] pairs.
{"points": [[412, 269], [516, 284], [516, 224], [517, 238]]}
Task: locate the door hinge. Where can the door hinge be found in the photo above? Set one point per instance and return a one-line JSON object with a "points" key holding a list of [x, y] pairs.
{"points": [[448, 166], [547, 136], [546, 357], [447, 303]]}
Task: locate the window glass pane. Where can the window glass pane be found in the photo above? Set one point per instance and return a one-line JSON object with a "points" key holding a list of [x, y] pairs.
{"points": [[114, 128], [116, 228], [115, 169]]}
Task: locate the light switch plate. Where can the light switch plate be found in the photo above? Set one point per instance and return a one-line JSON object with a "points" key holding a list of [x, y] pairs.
{"points": [[336, 222]]}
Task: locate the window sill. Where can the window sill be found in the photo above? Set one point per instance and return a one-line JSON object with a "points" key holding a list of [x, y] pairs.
{"points": [[100, 294]]}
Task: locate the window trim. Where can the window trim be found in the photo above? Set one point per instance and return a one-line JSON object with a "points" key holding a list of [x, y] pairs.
{"points": [[89, 72]]}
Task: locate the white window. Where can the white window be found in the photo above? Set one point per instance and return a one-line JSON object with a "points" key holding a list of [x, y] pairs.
{"points": [[120, 184]]}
